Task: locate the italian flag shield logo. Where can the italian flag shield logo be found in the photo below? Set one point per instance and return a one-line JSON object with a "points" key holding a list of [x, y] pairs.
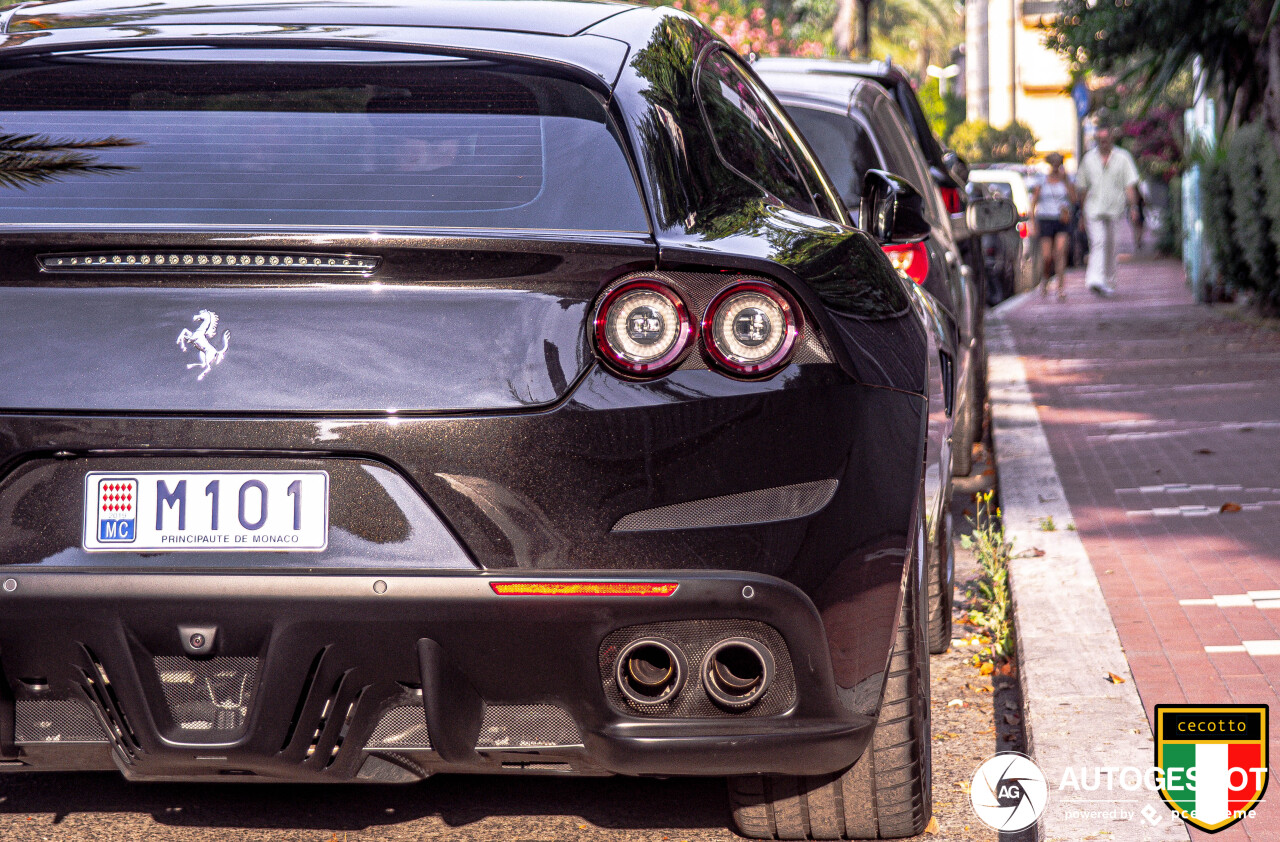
{"points": [[1213, 761]]}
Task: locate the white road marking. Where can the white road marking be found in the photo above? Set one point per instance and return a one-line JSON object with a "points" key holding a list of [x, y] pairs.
{"points": [[1254, 648], [1199, 511], [1256, 599], [1184, 488], [1235, 427]]}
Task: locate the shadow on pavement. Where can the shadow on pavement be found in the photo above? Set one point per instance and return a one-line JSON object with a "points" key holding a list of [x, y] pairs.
{"points": [[457, 801]]}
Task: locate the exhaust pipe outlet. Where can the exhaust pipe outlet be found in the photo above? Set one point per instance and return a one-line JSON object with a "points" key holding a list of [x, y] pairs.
{"points": [[650, 670], [736, 672]]}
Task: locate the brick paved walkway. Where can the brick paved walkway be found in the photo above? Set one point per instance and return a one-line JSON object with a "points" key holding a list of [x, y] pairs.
{"points": [[1160, 412]]}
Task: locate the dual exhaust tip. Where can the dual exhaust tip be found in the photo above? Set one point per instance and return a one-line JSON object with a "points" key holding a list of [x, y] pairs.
{"points": [[735, 672]]}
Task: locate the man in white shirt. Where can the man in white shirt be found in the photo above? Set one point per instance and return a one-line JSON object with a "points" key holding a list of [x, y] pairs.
{"points": [[1108, 180]]}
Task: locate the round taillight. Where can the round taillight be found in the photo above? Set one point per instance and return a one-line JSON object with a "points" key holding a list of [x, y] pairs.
{"points": [[643, 328], [750, 329]]}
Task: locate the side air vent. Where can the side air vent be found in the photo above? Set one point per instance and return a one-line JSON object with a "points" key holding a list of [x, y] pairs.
{"points": [[64, 720], [768, 505], [212, 695], [274, 262], [527, 726], [401, 727]]}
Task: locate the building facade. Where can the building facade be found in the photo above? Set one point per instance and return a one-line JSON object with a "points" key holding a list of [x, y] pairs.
{"points": [[1011, 75]]}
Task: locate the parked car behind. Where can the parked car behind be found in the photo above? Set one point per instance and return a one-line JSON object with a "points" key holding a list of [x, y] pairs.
{"points": [[469, 387], [855, 129], [1002, 250], [950, 175], [1012, 253]]}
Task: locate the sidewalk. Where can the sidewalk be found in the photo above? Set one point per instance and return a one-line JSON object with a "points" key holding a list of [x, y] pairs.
{"points": [[1163, 420]]}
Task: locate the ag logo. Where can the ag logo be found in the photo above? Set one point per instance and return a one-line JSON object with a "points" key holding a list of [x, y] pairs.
{"points": [[1009, 792], [1212, 760]]}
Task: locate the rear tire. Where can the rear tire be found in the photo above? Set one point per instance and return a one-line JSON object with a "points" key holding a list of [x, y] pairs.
{"points": [[942, 572], [887, 793]]}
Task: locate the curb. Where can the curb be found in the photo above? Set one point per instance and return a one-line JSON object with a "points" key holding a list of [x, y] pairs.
{"points": [[1010, 304], [1067, 643]]}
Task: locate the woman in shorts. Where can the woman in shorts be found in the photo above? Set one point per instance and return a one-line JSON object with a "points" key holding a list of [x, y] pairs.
{"points": [[1051, 204]]}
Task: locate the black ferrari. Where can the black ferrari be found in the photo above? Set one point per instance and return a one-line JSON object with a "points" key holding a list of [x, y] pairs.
{"points": [[388, 390]]}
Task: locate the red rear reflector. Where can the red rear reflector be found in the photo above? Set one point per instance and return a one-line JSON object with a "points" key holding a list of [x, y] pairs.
{"points": [[911, 260], [584, 588], [1022, 230], [951, 198]]}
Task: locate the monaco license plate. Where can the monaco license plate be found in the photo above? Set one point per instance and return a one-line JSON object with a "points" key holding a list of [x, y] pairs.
{"points": [[218, 511]]}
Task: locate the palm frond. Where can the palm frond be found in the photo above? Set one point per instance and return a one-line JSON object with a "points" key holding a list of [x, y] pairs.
{"points": [[23, 169], [30, 159], [45, 143]]}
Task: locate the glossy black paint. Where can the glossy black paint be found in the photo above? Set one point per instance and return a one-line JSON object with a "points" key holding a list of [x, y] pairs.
{"points": [[505, 428]]}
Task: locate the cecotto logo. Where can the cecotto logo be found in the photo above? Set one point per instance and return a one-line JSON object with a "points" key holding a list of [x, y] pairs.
{"points": [[1009, 792], [1212, 761]]}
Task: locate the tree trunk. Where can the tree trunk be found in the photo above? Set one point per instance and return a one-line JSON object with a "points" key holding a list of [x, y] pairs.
{"points": [[1271, 98], [844, 27], [864, 28]]}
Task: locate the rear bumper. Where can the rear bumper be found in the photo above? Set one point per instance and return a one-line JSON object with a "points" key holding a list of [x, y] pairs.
{"points": [[393, 677]]}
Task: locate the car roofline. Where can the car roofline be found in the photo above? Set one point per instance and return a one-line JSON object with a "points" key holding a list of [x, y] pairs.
{"points": [[45, 15], [596, 59]]}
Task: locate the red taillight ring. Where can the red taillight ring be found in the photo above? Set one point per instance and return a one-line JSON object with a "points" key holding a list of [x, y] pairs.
{"points": [[685, 331], [793, 322]]}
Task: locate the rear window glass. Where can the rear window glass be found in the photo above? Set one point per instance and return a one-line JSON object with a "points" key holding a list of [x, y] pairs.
{"points": [[843, 148], [745, 137], [280, 139]]}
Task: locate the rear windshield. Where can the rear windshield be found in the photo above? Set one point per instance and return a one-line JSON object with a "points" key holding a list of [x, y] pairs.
{"points": [[306, 139]]}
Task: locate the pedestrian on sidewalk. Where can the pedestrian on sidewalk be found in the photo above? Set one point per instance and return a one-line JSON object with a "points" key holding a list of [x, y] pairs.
{"points": [[1051, 205], [1108, 182]]}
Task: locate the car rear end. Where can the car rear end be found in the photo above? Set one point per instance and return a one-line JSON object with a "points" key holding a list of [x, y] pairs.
{"points": [[319, 460]]}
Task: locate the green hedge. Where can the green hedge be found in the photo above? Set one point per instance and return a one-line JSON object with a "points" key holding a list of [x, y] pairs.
{"points": [[1240, 202], [978, 142]]}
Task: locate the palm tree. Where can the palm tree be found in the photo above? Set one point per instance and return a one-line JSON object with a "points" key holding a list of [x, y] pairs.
{"points": [[30, 159]]}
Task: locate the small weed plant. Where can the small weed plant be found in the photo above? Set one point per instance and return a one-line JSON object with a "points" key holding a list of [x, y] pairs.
{"points": [[1047, 524], [990, 608]]}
